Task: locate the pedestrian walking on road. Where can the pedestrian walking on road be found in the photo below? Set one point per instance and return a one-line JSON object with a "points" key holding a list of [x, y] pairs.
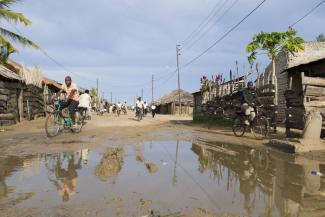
{"points": [[153, 110]]}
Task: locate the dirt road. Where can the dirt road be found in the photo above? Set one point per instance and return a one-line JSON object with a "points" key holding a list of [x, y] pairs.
{"points": [[165, 166], [29, 137]]}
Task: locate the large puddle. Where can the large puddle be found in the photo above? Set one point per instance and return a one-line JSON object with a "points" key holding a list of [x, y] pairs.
{"points": [[169, 178]]}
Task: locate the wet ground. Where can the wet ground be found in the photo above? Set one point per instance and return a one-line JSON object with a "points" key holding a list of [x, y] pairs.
{"points": [[166, 178], [141, 176]]}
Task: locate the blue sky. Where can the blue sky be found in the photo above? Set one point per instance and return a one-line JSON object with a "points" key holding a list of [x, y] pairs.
{"points": [[124, 42]]}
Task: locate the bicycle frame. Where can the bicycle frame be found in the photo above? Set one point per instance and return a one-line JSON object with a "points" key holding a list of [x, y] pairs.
{"points": [[58, 109]]}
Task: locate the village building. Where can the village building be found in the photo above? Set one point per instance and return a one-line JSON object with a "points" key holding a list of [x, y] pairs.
{"points": [[11, 97], [23, 93], [50, 87], [306, 86], [169, 104], [33, 100], [313, 54]]}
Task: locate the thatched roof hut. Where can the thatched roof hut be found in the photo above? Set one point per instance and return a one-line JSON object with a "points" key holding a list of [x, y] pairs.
{"points": [[31, 76], [186, 98], [169, 104]]}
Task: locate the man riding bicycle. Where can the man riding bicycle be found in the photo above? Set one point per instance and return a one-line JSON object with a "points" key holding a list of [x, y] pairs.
{"points": [[249, 99], [84, 103], [139, 105], [72, 97]]}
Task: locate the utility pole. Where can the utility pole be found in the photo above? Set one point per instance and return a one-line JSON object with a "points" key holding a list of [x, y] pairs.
{"points": [[152, 98], [97, 93], [178, 80], [142, 93], [111, 97]]}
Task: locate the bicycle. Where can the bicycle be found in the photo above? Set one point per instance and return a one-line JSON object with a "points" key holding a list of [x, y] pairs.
{"points": [[139, 113], [259, 126], [118, 112], [56, 121]]}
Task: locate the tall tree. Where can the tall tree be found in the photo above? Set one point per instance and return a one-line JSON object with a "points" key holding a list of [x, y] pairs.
{"points": [[7, 36], [273, 43], [320, 38]]}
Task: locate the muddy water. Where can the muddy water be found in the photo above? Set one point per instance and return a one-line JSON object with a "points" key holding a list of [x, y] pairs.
{"points": [[166, 178]]}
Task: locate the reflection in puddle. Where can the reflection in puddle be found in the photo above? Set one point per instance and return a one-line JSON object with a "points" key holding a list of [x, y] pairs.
{"points": [[167, 177], [110, 164]]}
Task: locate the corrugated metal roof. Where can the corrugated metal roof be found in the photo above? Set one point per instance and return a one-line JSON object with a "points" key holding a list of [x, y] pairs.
{"points": [[9, 74]]}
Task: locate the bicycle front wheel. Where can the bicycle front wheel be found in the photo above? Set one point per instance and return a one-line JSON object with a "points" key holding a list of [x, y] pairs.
{"points": [[54, 124], [260, 128], [238, 127]]}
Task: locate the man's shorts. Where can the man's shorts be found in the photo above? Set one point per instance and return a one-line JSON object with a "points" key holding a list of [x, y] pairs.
{"points": [[72, 106], [247, 109]]}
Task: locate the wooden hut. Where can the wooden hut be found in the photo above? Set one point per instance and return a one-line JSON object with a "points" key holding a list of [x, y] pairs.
{"points": [[306, 89], [11, 96], [50, 87], [169, 104], [33, 100], [313, 51]]}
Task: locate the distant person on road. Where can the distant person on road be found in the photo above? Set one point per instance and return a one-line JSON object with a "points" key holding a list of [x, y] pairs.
{"points": [[153, 110], [84, 103], [125, 108], [249, 99], [101, 108], [145, 108], [72, 102], [139, 105]]}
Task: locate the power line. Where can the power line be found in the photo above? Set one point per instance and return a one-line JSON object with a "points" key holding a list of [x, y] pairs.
{"points": [[216, 22], [206, 21], [308, 13], [225, 35], [203, 21]]}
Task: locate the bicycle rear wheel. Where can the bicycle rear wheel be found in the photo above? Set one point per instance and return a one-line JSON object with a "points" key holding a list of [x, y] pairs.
{"points": [[54, 124], [140, 115], [238, 128], [260, 128]]}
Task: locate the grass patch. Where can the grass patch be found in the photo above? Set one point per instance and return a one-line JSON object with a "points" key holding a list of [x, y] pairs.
{"points": [[212, 121]]}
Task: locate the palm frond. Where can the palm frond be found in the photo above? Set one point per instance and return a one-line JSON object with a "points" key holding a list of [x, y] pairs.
{"points": [[8, 49], [12, 16], [7, 3], [17, 38]]}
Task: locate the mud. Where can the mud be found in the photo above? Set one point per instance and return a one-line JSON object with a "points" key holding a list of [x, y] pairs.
{"points": [[154, 168]]}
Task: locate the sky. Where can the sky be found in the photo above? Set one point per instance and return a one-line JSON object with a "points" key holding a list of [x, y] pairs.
{"points": [[122, 43]]}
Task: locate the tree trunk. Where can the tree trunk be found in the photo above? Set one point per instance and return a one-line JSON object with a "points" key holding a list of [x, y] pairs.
{"points": [[275, 82]]}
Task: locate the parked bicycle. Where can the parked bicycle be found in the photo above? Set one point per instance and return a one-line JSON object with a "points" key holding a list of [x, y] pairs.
{"points": [[259, 126], [57, 121]]}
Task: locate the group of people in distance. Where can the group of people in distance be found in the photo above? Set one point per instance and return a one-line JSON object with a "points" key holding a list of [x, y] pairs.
{"points": [[75, 101]]}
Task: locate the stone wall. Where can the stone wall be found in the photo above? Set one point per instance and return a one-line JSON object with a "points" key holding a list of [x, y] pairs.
{"points": [[33, 102], [9, 93]]}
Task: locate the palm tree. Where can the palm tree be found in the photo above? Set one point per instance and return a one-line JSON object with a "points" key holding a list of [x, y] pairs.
{"points": [[273, 43], [6, 36]]}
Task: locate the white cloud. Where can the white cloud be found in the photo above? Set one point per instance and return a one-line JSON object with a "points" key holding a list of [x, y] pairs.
{"points": [[124, 42]]}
